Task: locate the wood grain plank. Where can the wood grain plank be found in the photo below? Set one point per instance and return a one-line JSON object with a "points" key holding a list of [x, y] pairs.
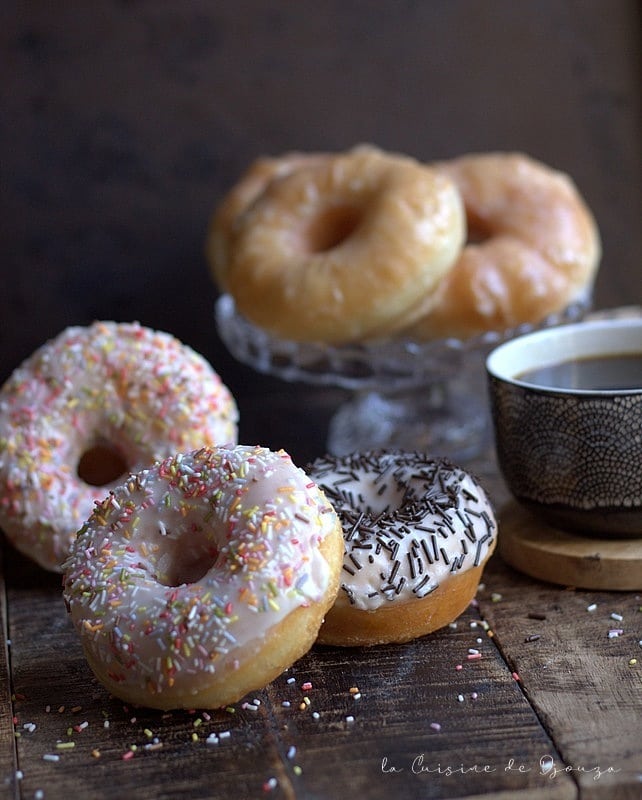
{"points": [[117, 750], [582, 678], [8, 753], [421, 726]]}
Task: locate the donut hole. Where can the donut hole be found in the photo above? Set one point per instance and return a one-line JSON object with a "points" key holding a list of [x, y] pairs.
{"points": [[102, 464], [478, 231], [184, 559], [331, 227]]}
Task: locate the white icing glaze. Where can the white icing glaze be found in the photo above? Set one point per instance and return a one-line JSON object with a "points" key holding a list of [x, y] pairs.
{"points": [[140, 391], [191, 561], [408, 523]]}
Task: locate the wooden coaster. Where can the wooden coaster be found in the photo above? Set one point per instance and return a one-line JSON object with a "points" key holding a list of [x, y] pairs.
{"points": [[550, 554]]}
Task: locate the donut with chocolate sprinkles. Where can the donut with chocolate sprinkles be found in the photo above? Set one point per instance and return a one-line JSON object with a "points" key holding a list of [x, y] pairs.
{"points": [[417, 532]]}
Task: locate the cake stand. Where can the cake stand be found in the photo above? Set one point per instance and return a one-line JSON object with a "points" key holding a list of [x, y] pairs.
{"points": [[408, 395]]}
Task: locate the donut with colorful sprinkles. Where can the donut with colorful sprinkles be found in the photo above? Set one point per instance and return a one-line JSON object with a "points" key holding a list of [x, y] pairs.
{"points": [[87, 408], [417, 533], [203, 577]]}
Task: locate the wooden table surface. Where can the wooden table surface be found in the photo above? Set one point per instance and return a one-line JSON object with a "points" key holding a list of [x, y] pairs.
{"points": [[121, 126]]}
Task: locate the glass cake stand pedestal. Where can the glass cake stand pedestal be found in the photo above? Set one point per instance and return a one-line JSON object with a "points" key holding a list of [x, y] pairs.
{"points": [[405, 395]]}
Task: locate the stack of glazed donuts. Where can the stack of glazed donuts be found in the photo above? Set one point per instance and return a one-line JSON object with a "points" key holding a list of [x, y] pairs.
{"points": [[447, 249]]}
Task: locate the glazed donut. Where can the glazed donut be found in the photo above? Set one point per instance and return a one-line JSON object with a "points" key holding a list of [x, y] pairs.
{"points": [[346, 249], [85, 409], [533, 247], [417, 533], [250, 185], [203, 577]]}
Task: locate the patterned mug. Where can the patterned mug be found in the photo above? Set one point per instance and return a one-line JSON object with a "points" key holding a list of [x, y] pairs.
{"points": [[566, 405]]}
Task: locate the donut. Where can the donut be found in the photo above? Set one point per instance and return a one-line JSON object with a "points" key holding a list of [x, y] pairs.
{"points": [[203, 577], [86, 408], [251, 184], [417, 533], [533, 247], [348, 248]]}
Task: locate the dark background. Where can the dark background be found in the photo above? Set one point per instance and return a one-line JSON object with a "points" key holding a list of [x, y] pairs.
{"points": [[123, 123]]}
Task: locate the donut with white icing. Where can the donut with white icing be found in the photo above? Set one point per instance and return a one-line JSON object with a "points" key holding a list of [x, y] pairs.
{"points": [[417, 534], [87, 408], [203, 577]]}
